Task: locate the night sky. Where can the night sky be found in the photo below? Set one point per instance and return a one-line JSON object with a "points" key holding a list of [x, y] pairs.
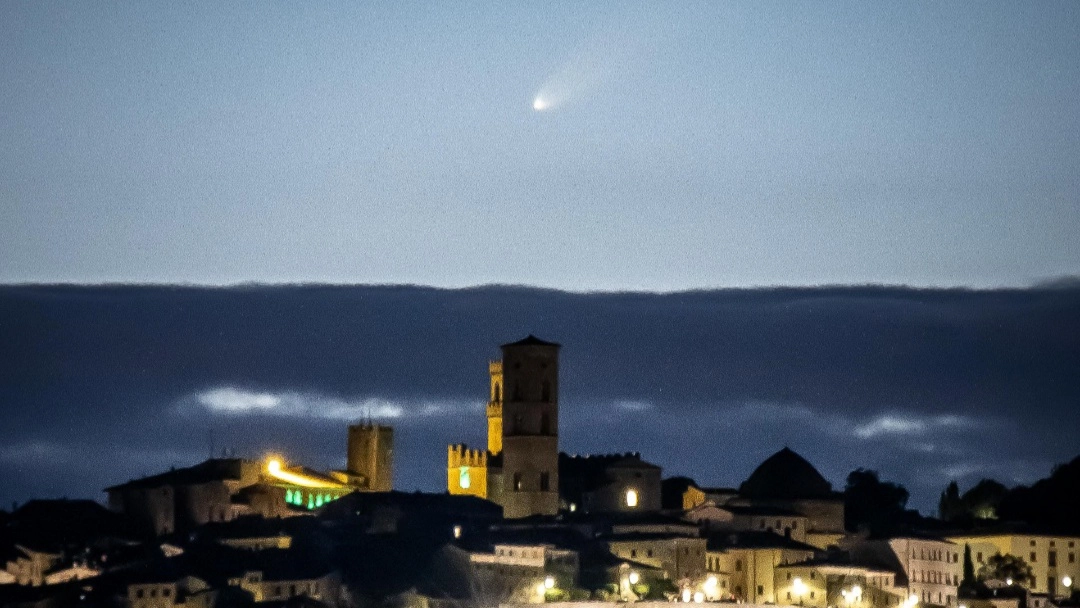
{"points": [[689, 145], [322, 208]]}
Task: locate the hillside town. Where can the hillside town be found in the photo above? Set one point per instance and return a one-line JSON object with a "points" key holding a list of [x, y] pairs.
{"points": [[523, 521]]}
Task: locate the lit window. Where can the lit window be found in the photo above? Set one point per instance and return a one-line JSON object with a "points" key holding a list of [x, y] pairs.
{"points": [[631, 498], [463, 478]]}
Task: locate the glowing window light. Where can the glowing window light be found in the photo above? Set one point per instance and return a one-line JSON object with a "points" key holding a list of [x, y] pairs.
{"points": [[311, 501], [463, 478], [631, 498], [288, 496], [318, 500]]}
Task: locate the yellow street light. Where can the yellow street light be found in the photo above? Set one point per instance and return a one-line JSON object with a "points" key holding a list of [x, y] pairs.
{"points": [[800, 588]]}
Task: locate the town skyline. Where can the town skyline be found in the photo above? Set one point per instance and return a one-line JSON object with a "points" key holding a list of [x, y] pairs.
{"points": [[115, 382]]}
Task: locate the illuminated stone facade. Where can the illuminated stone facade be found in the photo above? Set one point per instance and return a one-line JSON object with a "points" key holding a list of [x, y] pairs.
{"points": [[520, 468], [1054, 559]]}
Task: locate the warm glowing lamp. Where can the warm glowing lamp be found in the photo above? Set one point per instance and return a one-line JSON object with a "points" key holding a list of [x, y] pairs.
{"points": [[686, 596], [634, 577], [549, 582]]}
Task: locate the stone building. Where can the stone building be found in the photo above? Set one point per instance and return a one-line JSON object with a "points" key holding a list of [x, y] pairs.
{"points": [[519, 470], [371, 456], [789, 488], [608, 483], [219, 490], [1053, 557]]}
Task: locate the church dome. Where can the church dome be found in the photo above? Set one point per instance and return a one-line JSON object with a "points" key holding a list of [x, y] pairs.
{"points": [[785, 475]]}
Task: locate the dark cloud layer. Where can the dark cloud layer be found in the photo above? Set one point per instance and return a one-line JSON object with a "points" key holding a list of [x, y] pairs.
{"points": [[99, 384]]}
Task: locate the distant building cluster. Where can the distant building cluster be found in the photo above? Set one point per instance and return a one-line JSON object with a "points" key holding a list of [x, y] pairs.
{"points": [[521, 522]]}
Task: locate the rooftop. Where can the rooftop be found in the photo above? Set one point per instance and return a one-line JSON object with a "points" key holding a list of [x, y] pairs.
{"points": [[531, 340]]}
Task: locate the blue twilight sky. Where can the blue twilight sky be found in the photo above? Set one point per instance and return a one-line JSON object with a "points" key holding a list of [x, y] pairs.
{"points": [[678, 144]]}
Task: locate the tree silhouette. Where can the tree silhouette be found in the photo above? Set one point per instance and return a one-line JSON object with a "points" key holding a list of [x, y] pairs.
{"points": [[872, 503], [1005, 568], [969, 566]]}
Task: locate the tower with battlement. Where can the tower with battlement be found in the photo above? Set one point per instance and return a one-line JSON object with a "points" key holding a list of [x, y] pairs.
{"points": [[520, 468]]}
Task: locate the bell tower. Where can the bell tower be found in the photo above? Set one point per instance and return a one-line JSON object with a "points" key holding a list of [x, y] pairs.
{"points": [[530, 427], [495, 408]]}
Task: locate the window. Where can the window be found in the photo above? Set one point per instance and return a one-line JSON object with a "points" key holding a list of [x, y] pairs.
{"points": [[545, 481], [498, 392], [138, 593], [1072, 558], [761, 589], [631, 498], [166, 592], [1032, 560], [811, 595], [633, 552], [649, 553], [1032, 543], [978, 557], [738, 565]]}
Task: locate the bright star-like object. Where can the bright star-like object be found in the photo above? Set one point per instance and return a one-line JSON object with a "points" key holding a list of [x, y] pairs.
{"points": [[539, 104]]}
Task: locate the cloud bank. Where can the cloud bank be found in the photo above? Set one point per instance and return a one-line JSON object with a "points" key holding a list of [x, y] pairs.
{"points": [[101, 384]]}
